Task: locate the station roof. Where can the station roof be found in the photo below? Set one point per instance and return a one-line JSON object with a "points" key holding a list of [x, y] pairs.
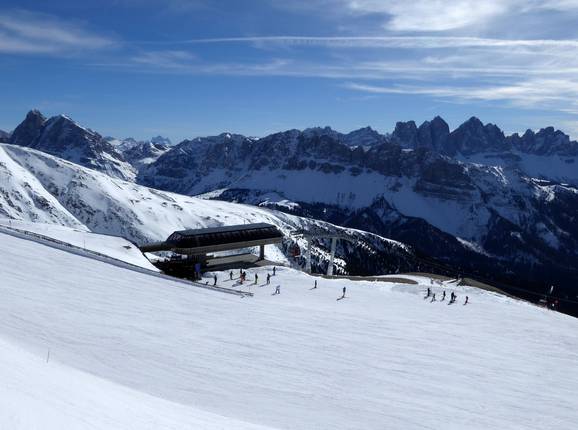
{"points": [[222, 229], [214, 239]]}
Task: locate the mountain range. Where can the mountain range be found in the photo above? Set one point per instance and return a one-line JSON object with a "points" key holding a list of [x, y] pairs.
{"points": [[41, 188], [500, 206]]}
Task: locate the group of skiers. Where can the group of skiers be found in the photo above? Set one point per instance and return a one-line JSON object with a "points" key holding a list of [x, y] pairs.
{"points": [[453, 297], [429, 293], [243, 278]]}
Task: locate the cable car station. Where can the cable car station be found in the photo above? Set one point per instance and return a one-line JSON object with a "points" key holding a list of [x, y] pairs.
{"points": [[188, 253]]}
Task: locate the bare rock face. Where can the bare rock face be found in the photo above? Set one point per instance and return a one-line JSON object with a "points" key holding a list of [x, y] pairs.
{"points": [[473, 136], [364, 137], [547, 141], [405, 134], [4, 136], [28, 130], [433, 134]]}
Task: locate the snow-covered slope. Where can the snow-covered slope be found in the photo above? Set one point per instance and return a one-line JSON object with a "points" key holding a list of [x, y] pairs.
{"points": [[130, 351], [22, 196], [107, 205], [52, 396], [80, 238]]}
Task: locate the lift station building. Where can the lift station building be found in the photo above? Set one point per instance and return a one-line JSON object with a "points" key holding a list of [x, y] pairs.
{"points": [[193, 248]]}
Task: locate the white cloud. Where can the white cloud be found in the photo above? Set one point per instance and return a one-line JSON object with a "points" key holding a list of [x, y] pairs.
{"points": [[32, 33], [164, 59], [406, 42], [432, 15], [560, 95]]}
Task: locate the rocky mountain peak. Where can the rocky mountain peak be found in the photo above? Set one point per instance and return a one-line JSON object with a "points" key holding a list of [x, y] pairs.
{"points": [[405, 134], [64, 138], [160, 140], [28, 130], [433, 134], [363, 137], [62, 132], [320, 132], [474, 124], [547, 141], [473, 137]]}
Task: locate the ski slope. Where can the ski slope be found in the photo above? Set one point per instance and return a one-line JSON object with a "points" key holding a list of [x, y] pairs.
{"points": [[111, 246], [128, 350]]}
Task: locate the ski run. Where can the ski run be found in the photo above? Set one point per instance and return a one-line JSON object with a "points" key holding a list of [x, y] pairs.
{"points": [[90, 345]]}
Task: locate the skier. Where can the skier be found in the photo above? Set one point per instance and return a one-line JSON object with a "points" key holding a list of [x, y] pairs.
{"points": [[268, 278], [466, 302], [344, 290], [428, 293], [256, 278], [231, 275], [274, 270], [215, 280], [278, 289], [453, 298], [443, 295], [315, 286], [433, 298]]}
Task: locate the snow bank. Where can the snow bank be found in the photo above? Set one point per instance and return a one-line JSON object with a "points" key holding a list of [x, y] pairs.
{"points": [[111, 246]]}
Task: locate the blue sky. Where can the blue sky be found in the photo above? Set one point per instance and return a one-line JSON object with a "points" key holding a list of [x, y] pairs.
{"points": [[184, 68]]}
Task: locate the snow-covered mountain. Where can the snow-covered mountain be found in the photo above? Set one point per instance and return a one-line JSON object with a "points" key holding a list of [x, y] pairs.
{"points": [[63, 137], [144, 153], [141, 153], [472, 197], [130, 142], [35, 186], [476, 216]]}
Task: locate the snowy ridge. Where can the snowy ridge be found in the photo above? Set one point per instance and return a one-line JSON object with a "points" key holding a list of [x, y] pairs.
{"points": [[23, 197]]}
